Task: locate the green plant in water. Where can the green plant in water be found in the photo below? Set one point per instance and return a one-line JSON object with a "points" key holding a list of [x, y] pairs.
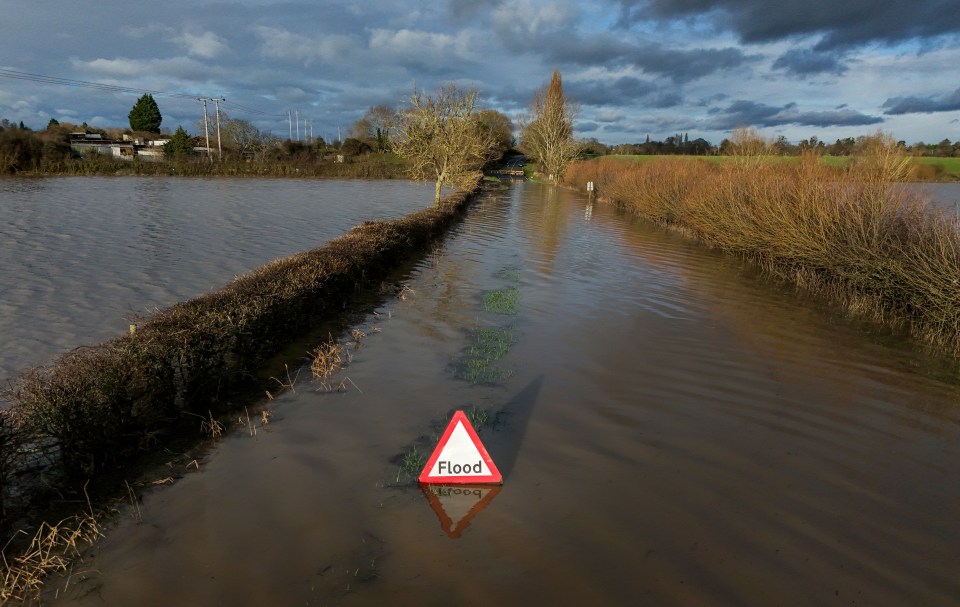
{"points": [[478, 365], [511, 274], [502, 301], [478, 417], [412, 463]]}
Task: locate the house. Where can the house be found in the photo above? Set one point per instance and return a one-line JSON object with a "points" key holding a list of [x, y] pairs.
{"points": [[128, 149]]}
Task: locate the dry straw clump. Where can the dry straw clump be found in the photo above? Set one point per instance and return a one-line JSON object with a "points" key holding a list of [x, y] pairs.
{"points": [[855, 233], [327, 359], [52, 550]]}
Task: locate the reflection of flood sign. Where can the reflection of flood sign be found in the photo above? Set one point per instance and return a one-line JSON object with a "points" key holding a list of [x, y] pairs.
{"points": [[460, 457], [456, 505]]}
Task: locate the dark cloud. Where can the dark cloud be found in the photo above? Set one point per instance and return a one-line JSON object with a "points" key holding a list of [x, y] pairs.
{"points": [[618, 91], [626, 130], [678, 64], [668, 100], [463, 10], [331, 59], [805, 62], [840, 24], [923, 105], [760, 115]]}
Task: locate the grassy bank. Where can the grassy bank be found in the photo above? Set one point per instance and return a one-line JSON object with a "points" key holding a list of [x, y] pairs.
{"points": [[95, 409], [854, 233]]}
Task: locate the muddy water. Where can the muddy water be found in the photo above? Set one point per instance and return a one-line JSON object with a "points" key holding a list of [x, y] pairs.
{"points": [[674, 432], [80, 256]]}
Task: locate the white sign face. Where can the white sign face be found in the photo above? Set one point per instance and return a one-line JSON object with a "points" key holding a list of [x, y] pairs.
{"points": [[460, 457]]}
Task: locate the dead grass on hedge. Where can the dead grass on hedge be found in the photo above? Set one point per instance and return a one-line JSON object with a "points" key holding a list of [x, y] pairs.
{"points": [[53, 550], [857, 236]]}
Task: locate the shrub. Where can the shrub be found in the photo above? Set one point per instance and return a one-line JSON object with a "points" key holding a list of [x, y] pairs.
{"points": [[854, 232]]}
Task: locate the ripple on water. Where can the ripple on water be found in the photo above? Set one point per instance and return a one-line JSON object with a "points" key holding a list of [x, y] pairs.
{"points": [[81, 255]]}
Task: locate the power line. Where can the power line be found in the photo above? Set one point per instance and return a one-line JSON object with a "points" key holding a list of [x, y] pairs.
{"points": [[4, 73], [113, 88], [250, 110]]}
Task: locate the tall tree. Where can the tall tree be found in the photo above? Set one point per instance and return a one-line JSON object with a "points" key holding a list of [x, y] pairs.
{"points": [[180, 145], [145, 115], [548, 136], [442, 137]]}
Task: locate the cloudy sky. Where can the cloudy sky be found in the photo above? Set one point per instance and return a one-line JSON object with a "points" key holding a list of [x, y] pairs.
{"points": [[825, 68]]}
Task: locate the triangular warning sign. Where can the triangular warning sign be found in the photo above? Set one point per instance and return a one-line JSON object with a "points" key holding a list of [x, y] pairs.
{"points": [[456, 505], [460, 457]]}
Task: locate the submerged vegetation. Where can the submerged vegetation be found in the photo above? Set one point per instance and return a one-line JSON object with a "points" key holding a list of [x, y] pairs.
{"points": [[502, 301], [853, 233], [478, 365]]}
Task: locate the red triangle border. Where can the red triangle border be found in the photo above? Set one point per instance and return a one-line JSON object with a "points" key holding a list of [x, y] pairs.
{"points": [[494, 478]]}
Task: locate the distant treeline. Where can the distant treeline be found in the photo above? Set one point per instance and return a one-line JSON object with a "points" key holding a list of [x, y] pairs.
{"points": [[681, 144], [49, 152]]}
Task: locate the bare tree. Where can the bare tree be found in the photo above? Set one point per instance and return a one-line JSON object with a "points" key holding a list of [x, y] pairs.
{"points": [[748, 147], [241, 136], [375, 126], [548, 136], [442, 137]]}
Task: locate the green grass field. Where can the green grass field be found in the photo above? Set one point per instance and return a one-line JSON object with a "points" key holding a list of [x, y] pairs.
{"points": [[927, 168]]}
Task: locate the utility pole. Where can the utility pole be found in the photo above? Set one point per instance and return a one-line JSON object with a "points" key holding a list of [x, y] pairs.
{"points": [[217, 100], [206, 128]]}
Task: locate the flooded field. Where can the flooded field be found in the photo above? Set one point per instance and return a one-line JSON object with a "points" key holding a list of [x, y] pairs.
{"points": [[81, 256], [672, 430]]}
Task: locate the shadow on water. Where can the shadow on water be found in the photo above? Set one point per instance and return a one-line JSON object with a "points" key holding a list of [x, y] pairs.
{"points": [[511, 421]]}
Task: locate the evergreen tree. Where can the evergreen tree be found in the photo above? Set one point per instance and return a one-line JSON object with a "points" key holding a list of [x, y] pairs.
{"points": [[180, 145], [145, 115], [53, 122]]}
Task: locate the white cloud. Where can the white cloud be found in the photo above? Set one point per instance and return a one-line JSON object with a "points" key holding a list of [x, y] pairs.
{"points": [[421, 47], [124, 72], [531, 17], [278, 43], [206, 45]]}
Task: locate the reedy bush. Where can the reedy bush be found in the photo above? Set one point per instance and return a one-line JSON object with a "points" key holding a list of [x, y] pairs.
{"points": [[857, 234]]}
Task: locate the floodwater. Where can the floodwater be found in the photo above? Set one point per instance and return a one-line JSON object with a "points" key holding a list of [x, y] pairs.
{"points": [[945, 196], [674, 431], [82, 256]]}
